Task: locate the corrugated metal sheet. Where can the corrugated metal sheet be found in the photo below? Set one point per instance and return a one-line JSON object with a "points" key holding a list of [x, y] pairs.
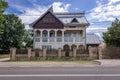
{"points": [[92, 39]]}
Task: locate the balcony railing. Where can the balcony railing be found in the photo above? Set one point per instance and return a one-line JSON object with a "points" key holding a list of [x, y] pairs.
{"points": [[58, 39]]}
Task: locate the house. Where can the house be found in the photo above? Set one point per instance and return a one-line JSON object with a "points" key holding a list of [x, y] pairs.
{"points": [[61, 30]]}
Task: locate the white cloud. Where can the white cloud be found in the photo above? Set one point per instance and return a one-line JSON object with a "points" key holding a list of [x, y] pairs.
{"points": [[105, 12], [31, 14], [113, 1], [60, 7]]}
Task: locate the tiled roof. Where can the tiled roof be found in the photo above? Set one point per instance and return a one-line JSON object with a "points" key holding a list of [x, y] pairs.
{"points": [[92, 39]]}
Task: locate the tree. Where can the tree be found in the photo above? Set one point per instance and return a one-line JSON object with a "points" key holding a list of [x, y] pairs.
{"points": [[13, 32], [28, 38], [3, 6], [112, 36]]}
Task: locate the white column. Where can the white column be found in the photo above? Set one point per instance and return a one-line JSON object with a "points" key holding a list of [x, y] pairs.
{"points": [[48, 35], [62, 36], [41, 35], [34, 39], [55, 35]]}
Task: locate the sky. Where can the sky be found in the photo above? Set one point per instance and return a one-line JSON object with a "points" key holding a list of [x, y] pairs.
{"points": [[99, 13]]}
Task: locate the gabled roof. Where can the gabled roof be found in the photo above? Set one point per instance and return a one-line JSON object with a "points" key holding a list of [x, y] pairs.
{"points": [[49, 10], [66, 18], [92, 39]]}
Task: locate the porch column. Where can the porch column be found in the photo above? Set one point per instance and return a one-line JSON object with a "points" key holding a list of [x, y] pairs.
{"points": [[62, 36], [55, 35], [34, 38], [41, 32], [48, 31]]}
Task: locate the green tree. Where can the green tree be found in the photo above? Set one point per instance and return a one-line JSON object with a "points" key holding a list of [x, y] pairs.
{"points": [[112, 36], [28, 38], [13, 32], [3, 6]]}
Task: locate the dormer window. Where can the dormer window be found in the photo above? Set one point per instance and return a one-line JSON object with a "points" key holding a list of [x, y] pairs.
{"points": [[48, 20], [74, 20]]}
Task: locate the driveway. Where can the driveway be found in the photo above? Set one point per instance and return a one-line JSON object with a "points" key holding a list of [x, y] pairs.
{"points": [[109, 62]]}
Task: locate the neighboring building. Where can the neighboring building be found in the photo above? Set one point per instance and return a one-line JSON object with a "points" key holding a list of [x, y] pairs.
{"points": [[60, 30], [92, 40]]}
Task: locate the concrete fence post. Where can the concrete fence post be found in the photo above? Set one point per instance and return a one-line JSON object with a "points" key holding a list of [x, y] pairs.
{"points": [[74, 53], [13, 53], [100, 52], [29, 53], [59, 53], [44, 53], [70, 53], [90, 52]]}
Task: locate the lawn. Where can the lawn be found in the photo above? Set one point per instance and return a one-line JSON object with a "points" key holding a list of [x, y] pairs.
{"points": [[4, 56], [57, 60]]}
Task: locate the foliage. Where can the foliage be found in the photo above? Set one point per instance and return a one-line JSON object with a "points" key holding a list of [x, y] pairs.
{"points": [[13, 31], [3, 6], [112, 36], [28, 38]]}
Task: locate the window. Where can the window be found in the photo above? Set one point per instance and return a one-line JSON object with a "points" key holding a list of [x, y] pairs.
{"points": [[48, 20], [47, 47], [74, 20]]}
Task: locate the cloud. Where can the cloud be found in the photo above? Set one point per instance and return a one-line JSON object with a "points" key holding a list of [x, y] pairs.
{"points": [[60, 7], [31, 14], [105, 11], [113, 1]]}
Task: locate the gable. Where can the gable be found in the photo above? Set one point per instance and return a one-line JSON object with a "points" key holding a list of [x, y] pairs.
{"points": [[48, 21], [74, 20]]}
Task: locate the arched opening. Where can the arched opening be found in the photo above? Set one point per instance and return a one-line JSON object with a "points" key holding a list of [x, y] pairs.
{"points": [[73, 47], [44, 33], [37, 33], [81, 47], [52, 33], [66, 49], [59, 33]]}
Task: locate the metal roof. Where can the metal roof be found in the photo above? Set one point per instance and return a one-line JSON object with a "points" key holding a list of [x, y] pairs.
{"points": [[92, 39], [66, 18]]}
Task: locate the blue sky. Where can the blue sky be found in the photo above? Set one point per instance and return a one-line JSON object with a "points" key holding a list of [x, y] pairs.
{"points": [[100, 13]]}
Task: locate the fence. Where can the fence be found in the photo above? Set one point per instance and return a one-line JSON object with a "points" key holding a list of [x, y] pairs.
{"points": [[4, 51], [38, 54]]}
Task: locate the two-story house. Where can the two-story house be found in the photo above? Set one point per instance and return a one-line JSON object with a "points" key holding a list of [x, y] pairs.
{"points": [[60, 30]]}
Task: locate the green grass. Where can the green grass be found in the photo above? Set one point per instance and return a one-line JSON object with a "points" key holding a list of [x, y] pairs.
{"points": [[4, 56], [56, 60]]}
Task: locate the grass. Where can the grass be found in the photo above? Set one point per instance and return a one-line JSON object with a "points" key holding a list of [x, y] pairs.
{"points": [[4, 56], [56, 60]]}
